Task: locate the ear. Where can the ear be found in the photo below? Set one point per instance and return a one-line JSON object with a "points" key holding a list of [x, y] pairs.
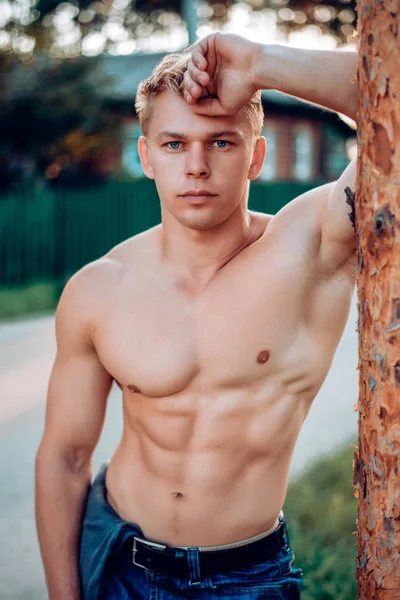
{"points": [[144, 157], [257, 160]]}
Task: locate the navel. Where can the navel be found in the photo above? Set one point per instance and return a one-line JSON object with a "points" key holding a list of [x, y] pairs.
{"points": [[134, 389], [263, 357], [177, 495]]}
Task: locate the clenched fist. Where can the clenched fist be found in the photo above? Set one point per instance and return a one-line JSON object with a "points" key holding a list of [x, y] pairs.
{"points": [[222, 72]]}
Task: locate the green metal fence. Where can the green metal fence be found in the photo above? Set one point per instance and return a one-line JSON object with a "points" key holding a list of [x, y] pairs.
{"points": [[47, 235]]}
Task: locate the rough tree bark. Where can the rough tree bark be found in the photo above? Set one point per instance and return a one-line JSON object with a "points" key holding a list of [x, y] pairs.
{"points": [[377, 461]]}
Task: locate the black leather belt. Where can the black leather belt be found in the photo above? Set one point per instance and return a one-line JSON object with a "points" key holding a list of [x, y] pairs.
{"points": [[174, 561]]}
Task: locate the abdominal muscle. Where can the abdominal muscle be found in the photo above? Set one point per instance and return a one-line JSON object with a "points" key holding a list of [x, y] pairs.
{"points": [[196, 469]]}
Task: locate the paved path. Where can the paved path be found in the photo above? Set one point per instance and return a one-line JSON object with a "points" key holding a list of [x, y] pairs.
{"points": [[26, 355]]}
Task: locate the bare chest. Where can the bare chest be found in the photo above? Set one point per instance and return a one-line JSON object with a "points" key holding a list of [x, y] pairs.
{"points": [[246, 328]]}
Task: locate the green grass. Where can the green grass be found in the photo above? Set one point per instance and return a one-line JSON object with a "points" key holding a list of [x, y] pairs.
{"points": [[321, 513], [28, 300]]}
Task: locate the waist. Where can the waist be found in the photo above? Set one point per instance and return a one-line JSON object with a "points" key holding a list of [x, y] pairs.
{"points": [[175, 515], [176, 561], [243, 542]]}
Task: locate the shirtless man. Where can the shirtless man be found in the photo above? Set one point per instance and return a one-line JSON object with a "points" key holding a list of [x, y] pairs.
{"points": [[219, 326]]}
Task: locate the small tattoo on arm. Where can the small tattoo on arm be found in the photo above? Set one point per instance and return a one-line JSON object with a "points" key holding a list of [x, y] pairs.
{"points": [[350, 200]]}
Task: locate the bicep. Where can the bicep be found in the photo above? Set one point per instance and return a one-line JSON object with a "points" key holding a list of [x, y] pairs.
{"points": [[79, 384], [76, 403]]}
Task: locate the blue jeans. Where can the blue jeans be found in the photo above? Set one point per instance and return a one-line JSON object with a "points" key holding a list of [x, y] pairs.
{"points": [[274, 578]]}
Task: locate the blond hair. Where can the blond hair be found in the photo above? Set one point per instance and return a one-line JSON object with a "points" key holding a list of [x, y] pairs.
{"points": [[168, 75]]}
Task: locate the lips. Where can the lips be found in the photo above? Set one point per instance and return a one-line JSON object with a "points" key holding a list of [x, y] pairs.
{"points": [[198, 197], [197, 193]]}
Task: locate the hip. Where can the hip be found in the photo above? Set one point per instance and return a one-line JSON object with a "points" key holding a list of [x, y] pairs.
{"points": [[271, 575]]}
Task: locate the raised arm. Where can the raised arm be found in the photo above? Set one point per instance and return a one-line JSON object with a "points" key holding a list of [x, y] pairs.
{"points": [[338, 240], [77, 395], [327, 78], [225, 70]]}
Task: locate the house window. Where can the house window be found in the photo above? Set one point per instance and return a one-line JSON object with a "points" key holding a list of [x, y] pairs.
{"points": [[337, 155], [130, 155], [269, 169], [303, 153]]}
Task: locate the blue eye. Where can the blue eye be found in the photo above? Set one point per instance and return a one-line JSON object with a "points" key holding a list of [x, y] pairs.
{"points": [[174, 145], [222, 143]]}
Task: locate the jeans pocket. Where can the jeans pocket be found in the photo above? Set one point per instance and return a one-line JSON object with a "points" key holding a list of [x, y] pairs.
{"points": [[273, 578], [255, 575], [280, 589]]}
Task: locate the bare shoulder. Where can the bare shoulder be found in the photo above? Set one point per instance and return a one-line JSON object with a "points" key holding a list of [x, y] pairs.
{"points": [[89, 281], [298, 224], [323, 213], [83, 296], [306, 208], [304, 217], [91, 289]]}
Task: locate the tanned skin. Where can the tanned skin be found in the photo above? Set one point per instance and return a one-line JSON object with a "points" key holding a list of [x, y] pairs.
{"points": [[219, 325]]}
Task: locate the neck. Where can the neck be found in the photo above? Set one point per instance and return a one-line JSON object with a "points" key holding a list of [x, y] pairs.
{"points": [[199, 254]]}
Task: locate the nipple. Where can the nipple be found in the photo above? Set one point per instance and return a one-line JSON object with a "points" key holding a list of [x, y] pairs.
{"points": [[133, 389], [263, 357]]}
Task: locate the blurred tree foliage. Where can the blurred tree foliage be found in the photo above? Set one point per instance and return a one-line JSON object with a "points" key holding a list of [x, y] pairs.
{"points": [[141, 18], [53, 120], [336, 17]]}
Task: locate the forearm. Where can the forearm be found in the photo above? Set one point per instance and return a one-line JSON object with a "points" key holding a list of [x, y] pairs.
{"points": [[326, 78], [60, 500]]}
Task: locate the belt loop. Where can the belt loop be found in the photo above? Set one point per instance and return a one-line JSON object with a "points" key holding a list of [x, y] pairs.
{"points": [[194, 566], [286, 534]]}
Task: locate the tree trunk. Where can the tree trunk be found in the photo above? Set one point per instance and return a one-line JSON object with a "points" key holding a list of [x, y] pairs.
{"points": [[377, 461]]}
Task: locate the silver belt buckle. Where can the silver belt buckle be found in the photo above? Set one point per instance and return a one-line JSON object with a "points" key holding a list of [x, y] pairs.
{"points": [[148, 543]]}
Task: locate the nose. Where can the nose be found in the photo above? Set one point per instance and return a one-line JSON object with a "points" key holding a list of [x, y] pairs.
{"points": [[197, 165]]}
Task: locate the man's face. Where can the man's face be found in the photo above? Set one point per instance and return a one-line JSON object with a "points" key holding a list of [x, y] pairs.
{"points": [[201, 165]]}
